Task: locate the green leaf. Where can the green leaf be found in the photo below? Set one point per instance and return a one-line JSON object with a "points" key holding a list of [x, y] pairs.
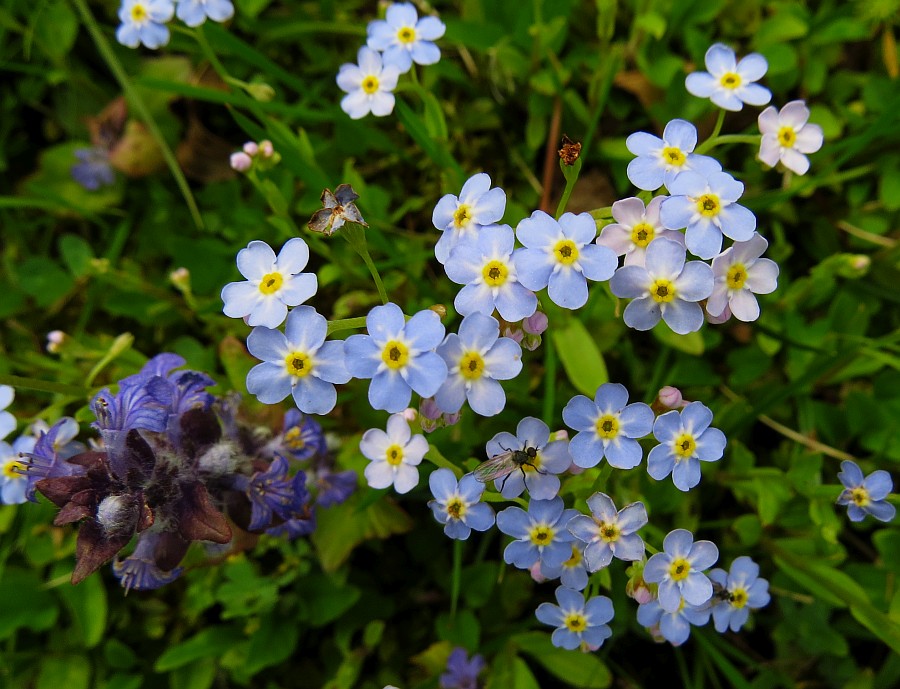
{"points": [[578, 669], [55, 28], [123, 681], [328, 598], [692, 343], [43, 280], [76, 254], [463, 631], [275, 641], [581, 359], [69, 672], [87, 603], [199, 675], [211, 642], [24, 603]]}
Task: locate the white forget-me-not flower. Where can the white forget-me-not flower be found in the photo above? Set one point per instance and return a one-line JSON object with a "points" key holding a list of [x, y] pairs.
{"points": [[298, 362], [660, 160], [476, 359], [404, 38], [609, 532], [195, 12], [607, 426], [395, 455], [577, 621], [865, 495], [368, 85], [664, 287], [635, 227], [560, 255], [729, 83], [787, 136], [272, 283], [144, 21], [685, 439], [398, 356], [462, 217], [679, 570], [457, 504], [484, 264], [7, 420], [706, 207], [739, 273]]}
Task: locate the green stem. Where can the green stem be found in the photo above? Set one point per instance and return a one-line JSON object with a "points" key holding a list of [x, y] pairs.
{"points": [[20, 382], [570, 172], [346, 324], [457, 577], [728, 139], [356, 236], [549, 381], [710, 142], [139, 106]]}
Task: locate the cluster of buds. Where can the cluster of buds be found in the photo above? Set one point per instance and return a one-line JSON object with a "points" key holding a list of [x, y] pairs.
{"points": [[527, 332], [262, 154]]}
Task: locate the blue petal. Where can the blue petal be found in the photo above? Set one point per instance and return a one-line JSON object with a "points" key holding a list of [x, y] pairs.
{"points": [[385, 322], [676, 211], [680, 134], [515, 302], [630, 282], [305, 328], [267, 344], [696, 589], [515, 522], [598, 610], [486, 397], [314, 396], [426, 373], [711, 445], [683, 317], [642, 314], [881, 510], [479, 332], [850, 475], [598, 262], [443, 484], [738, 223], [425, 330], [696, 418], [646, 172], [580, 413], [879, 484], [538, 231], [550, 614], [643, 144], [362, 356], [686, 473], [674, 627], [568, 288], [475, 299], [636, 420], [533, 432], [388, 391], [480, 516], [269, 383], [629, 547], [678, 543], [533, 267], [624, 453], [563, 638], [586, 449]]}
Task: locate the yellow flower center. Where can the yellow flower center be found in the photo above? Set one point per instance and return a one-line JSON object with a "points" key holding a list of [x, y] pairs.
{"points": [[730, 80], [679, 569], [406, 35], [456, 508], [662, 291], [709, 205], [860, 496], [736, 276], [534, 463], [298, 364], [575, 560], [271, 283], [395, 354], [542, 535], [673, 156], [739, 598], [609, 533], [607, 426], [495, 273], [471, 366], [642, 234], [566, 252], [370, 84], [294, 439], [787, 136], [138, 13], [394, 455], [684, 446], [575, 622], [13, 469], [462, 215]]}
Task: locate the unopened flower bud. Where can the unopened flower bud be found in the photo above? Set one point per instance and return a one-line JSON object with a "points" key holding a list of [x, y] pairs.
{"points": [[241, 162], [181, 278], [451, 419], [535, 572], [409, 414], [266, 149], [536, 323], [428, 408], [55, 341], [561, 434], [439, 309], [251, 148], [513, 332], [671, 397], [261, 92]]}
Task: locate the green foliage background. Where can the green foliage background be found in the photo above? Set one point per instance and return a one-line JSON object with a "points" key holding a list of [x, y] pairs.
{"points": [[367, 601]]}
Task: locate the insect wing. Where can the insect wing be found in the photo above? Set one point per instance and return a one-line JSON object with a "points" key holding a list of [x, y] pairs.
{"points": [[496, 467]]}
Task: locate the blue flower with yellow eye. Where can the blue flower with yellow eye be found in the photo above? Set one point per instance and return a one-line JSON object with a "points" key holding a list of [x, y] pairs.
{"points": [[729, 83], [865, 495], [195, 12], [661, 160], [404, 38], [540, 533], [673, 626], [457, 504], [398, 356], [577, 621], [460, 218], [737, 592], [679, 570], [685, 439], [144, 22]]}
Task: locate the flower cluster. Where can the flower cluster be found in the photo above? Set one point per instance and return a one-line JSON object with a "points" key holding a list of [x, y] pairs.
{"points": [[392, 46], [171, 462], [144, 22], [260, 155]]}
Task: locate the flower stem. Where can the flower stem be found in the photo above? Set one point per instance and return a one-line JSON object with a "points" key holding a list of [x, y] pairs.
{"points": [[728, 139], [346, 324], [711, 141], [457, 577], [22, 383], [356, 236], [570, 172]]}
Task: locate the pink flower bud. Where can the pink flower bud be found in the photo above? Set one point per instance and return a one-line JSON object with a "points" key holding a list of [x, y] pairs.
{"points": [[535, 571], [514, 333], [55, 340], [241, 161], [266, 149], [451, 419], [561, 434], [429, 409], [251, 148], [671, 397], [409, 414], [536, 323]]}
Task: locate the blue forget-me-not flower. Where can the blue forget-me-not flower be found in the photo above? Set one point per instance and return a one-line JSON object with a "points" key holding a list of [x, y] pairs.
{"points": [[144, 21], [398, 356], [404, 38], [609, 532], [673, 625], [540, 533], [607, 426], [577, 621], [7, 420], [679, 570], [739, 274], [476, 359], [661, 160], [787, 136], [573, 573], [706, 206], [13, 479], [462, 673], [729, 83], [395, 455], [368, 85], [736, 593], [299, 363], [539, 475], [484, 264], [273, 283], [195, 12], [865, 495], [665, 287], [93, 170], [560, 255], [456, 504], [635, 227], [458, 218], [685, 439]]}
